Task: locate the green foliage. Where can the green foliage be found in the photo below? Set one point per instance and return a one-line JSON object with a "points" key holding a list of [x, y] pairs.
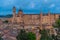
{"points": [[23, 35], [6, 21], [57, 24], [31, 36], [54, 37], [44, 35], [1, 38]]}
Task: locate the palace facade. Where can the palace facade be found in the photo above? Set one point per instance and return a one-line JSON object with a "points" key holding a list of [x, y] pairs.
{"points": [[33, 20]]}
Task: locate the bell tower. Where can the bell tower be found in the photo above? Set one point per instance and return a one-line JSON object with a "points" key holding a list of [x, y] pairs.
{"points": [[14, 11], [20, 16], [14, 15], [41, 20], [49, 15]]}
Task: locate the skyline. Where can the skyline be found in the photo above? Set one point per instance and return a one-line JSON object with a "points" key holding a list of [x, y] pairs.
{"points": [[30, 6]]}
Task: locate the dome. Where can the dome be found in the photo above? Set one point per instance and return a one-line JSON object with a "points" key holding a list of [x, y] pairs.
{"points": [[20, 10]]}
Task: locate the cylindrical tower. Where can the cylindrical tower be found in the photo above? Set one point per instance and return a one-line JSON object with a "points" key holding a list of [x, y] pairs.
{"points": [[49, 15], [41, 19], [20, 12], [14, 12], [14, 15]]}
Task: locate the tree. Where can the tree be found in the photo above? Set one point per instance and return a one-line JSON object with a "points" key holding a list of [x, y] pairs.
{"points": [[23, 35], [6, 21], [1, 38], [44, 35], [57, 24], [31, 36]]}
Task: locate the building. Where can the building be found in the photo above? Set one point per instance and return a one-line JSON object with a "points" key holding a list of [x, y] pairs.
{"points": [[33, 20]]}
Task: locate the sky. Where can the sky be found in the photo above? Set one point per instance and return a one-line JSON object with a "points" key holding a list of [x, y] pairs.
{"points": [[29, 6]]}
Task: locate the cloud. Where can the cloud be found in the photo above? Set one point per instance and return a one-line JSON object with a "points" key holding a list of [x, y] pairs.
{"points": [[45, 0], [52, 5], [8, 2], [31, 5]]}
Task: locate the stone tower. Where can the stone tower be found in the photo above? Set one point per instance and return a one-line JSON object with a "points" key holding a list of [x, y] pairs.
{"points": [[41, 19], [14, 15], [56, 16], [20, 16], [49, 15], [21, 20], [20, 12]]}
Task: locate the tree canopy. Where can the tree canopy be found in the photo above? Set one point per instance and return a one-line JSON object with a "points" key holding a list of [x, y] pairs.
{"points": [[44, 35], [23, 35], [31, 36], [1, 38], [57, 24], [6, 21]]}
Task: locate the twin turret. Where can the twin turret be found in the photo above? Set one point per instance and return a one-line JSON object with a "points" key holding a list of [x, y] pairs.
{"points": [[20, 12]]}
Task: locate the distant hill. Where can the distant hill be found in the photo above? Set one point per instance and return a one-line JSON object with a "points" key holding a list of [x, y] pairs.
{"points": [[6, 16]]}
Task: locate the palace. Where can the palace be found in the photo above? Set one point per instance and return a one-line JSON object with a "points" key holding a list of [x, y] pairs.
{"points": [[33, 20]]}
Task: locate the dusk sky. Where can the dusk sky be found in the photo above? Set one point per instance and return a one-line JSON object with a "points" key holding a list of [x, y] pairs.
{"points": [[30, 6]]}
